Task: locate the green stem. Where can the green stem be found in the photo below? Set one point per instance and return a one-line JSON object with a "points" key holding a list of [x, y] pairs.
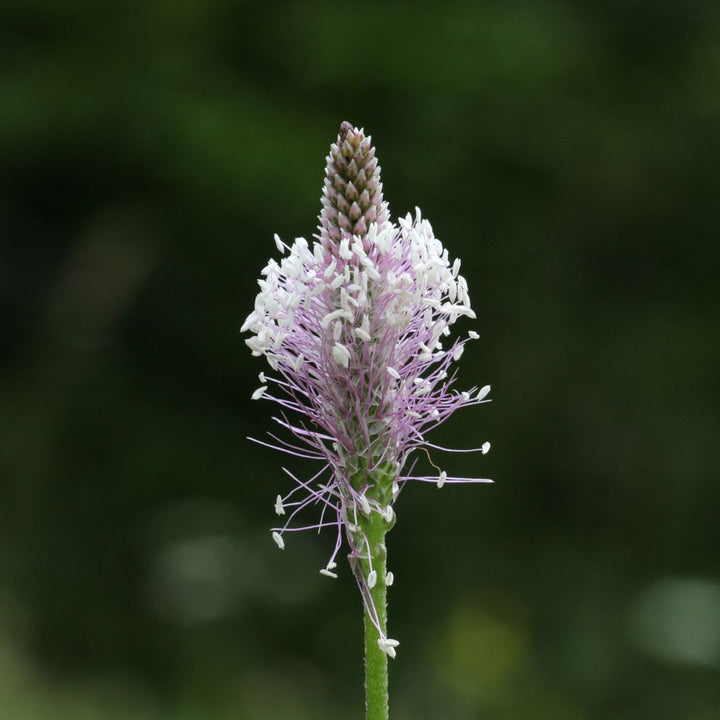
{"points": [[376, 661]]}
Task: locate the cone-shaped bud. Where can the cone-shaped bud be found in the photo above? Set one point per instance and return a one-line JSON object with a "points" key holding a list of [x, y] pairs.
{"points": [[352, 194]]}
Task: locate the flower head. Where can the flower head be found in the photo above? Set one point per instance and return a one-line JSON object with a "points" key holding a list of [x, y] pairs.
{"points": [[355, 327]]}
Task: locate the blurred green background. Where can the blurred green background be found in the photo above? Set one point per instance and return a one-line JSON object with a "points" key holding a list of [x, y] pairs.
{"points": [[568, 152]]}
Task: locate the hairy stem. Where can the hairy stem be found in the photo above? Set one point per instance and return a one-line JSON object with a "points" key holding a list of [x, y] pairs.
{"points": [[376, 661]]}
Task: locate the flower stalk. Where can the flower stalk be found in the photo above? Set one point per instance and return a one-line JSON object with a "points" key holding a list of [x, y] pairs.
{"points": [[376, 657], [353, 328]]}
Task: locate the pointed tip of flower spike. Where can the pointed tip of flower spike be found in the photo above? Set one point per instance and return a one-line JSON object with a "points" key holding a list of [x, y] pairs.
{"points": [[388, 645], [352, 195], [277, 537], [345, 128]]}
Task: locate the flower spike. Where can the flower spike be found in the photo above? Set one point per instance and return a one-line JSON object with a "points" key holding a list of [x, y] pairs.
{"points": [[354, 327]]}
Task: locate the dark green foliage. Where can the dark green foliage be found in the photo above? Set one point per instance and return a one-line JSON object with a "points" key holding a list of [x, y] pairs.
{"points": [[569, 153]]}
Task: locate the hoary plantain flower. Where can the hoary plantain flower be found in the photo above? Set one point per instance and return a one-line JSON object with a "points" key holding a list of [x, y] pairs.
{"points": [[354, 327]]}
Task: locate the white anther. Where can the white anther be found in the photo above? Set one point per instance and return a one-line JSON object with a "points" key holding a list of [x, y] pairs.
{"points": [[387, 645], [344, 250], [277, 537], [363, 332], [389, 579], [473, 335], [328, 573], [299, 360], [341, 354], [458, 352], [249, 320], [279, 508], [364, 506], [261, 378], [334, 315], [483, 392], [392, 372], [279, 244], [259, 392], [442, 477], [372, 579], [395, 489], [485, 448]]}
